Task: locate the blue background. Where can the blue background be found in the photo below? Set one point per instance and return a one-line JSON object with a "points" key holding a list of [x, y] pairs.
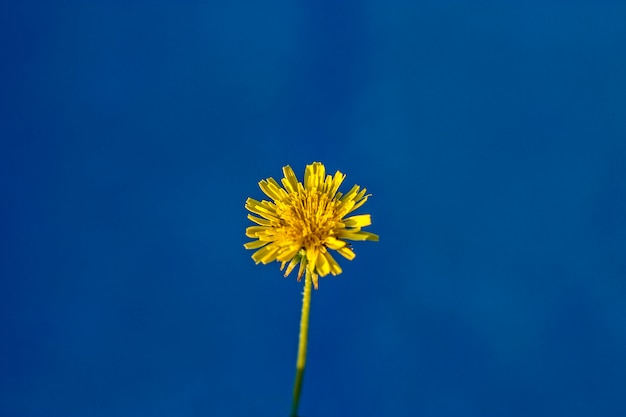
{"points": [[492, 136]]}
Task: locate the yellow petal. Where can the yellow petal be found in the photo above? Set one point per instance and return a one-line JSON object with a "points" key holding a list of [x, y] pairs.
{"points": [[360, 194], [311, 256], [270, 254], [335, 269], [314, 176], [288, 253], [254, 231], [351, 194], [265, 254], [290, 182], [254, 244], [337, 180], [322, 266], [333, 243], [359, 203], [271, 188], [357, 235], [263, 209], [358, 221], [371, 236], [347, 253], [257, 220]]}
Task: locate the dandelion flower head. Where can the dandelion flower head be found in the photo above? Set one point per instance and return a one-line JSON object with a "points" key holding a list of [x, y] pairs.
{"points": [[302, 222]]}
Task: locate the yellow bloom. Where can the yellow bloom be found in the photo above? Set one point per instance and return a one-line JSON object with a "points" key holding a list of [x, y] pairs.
{"points": [[305, 220]]}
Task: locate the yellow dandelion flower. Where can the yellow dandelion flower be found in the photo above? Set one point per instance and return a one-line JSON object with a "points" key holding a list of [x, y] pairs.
{"points": [[304, 221]]}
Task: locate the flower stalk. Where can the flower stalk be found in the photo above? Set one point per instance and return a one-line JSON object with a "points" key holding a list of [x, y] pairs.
{"points": [[302, 344]]}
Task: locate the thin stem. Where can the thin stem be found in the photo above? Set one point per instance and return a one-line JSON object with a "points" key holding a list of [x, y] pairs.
{"points": [[304, 334]]}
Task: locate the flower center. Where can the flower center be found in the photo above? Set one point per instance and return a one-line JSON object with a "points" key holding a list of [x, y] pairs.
{"points": [[307, 218]]}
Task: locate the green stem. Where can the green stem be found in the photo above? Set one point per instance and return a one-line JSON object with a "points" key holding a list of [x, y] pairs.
{"points": [[304, 335]]}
